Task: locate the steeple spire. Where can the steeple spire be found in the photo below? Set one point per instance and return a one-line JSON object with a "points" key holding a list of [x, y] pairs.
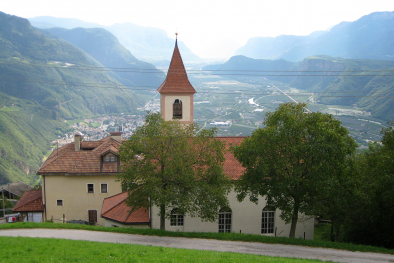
{"points": [[176, 39], [176, 80]]}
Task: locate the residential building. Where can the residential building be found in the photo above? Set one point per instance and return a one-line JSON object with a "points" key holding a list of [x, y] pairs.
{"points": [[30, 206], [78, 176]]}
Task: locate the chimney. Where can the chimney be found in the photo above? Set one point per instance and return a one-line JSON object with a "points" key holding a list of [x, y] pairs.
{"points": [[117, 136], [77, 141]]}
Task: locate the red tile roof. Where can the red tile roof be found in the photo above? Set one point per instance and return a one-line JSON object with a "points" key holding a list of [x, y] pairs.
{"points": [[116, 209], [176, 80], [232, 168], [87, 160], [31, 201], [111, 149]]}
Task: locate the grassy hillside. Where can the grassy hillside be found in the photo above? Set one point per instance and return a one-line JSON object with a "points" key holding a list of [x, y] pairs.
{"points": [[25, 129], [44, 81]]}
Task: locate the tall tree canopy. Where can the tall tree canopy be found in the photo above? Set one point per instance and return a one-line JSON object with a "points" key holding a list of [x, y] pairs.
{"points": [[172, 166], [290, 159], [370, 217]]}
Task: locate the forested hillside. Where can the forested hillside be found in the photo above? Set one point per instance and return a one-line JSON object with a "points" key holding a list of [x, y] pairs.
{"points": [[25, 128], [43, 82]]}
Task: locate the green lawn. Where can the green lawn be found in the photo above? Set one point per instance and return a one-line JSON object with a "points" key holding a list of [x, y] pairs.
{"points": [[217, 236], [25, 249]]}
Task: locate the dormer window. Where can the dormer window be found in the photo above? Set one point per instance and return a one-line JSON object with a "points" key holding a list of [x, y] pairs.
{"points": [[109, 158], [177, 109]]}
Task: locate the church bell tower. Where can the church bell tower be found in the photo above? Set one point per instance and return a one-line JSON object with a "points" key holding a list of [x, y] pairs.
{"points": [[176, 92]]}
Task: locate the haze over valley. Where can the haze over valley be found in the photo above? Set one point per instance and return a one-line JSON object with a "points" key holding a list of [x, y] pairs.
{"points": [[59, 76]]}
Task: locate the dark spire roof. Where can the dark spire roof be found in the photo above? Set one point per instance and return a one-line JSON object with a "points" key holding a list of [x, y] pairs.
{"points": [[176, 80]]}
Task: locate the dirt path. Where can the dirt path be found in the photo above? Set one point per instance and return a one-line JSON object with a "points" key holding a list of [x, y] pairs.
{"points": [[206, 244]]}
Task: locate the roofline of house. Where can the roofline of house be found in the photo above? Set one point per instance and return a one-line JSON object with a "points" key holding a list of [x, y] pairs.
{"points": [[113, 205], [27, 211], [9, 191]]}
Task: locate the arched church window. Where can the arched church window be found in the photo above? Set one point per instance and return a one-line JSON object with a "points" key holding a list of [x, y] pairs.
{"points": [[225, 220], [176, 218], [177, 109], [267, 221]]}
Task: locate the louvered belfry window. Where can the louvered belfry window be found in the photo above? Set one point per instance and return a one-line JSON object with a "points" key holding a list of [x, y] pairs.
{"points": [[177, 109]]}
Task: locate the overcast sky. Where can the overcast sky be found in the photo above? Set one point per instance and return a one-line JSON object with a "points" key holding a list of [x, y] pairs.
{"points": [[210, 28]]}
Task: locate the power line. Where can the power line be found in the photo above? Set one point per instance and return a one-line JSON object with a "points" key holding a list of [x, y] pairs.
{"points": [[238, 91], [199, 71]]}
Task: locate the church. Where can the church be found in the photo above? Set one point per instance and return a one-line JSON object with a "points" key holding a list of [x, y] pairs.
{"points": [[176, 102], [80, 181]]}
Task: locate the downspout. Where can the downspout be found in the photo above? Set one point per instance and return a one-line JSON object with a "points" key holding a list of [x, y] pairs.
{"points": [[150, 213], [45, 198]]}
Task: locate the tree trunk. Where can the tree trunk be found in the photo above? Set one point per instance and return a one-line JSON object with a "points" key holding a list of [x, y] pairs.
{"points": [[294, 219], [332, 231], [337, 229], [162, 217]]}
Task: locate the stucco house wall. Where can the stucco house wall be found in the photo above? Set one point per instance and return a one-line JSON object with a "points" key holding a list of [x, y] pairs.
{"points": [[246, 218], [73, 190]]}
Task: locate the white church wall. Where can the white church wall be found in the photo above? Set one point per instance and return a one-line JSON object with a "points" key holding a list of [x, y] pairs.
{"points": [[246, 218], [167, 101]]}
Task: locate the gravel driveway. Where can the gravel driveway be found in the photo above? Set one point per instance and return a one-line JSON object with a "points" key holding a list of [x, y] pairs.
{"points": [[324, 254]]}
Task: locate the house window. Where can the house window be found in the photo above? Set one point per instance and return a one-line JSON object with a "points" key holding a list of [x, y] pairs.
{"points": [[104, 188], [59, 202], [267, 221], [109, 158], [225, 220], [92, 216], [176, 218], [177, 109], [90, 188]]}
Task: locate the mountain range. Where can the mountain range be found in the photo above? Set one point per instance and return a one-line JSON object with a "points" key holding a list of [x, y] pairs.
{"points": [[106, 49], [146, 43], [45, 80], [370, 37]]}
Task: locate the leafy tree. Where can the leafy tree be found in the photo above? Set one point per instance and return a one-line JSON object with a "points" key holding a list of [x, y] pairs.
{"points": [[164, 163], [290, 160], [369, 219], [341, 194]]}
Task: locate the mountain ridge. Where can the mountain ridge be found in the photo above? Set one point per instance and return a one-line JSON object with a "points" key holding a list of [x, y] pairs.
{"points": [[370, 37], [146, 43]]}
